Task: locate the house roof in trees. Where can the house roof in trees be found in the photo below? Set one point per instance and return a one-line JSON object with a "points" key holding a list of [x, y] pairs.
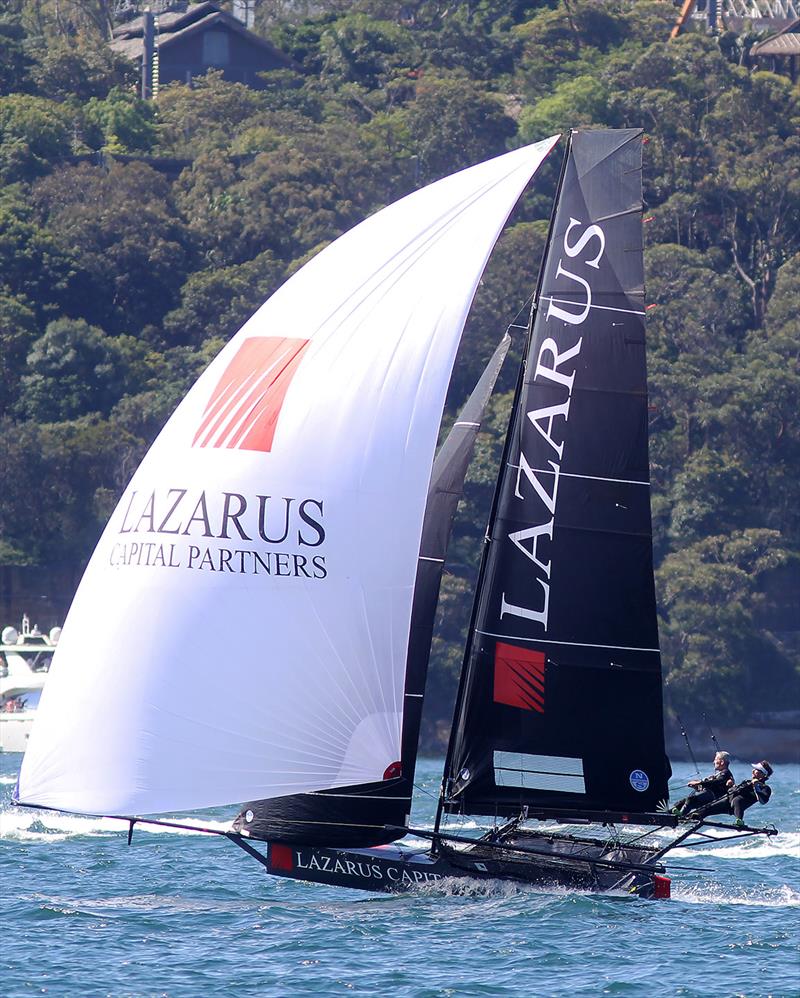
{"points": [[784, 42], [177, 25]]}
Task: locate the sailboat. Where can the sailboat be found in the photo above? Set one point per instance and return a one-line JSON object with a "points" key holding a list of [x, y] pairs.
{"points": [[288, 530]]}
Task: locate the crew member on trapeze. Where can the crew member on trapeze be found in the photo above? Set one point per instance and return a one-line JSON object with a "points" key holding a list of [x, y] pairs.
{"points": [[739, 798], [710, 789]]}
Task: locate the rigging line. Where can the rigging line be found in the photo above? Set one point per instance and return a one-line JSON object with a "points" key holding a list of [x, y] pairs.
{"points": [[711, 732], [524, 850], [686, 739], [427, 793]]}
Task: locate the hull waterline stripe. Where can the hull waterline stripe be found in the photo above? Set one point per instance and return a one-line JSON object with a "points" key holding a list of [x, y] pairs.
{"points": [[571, 644]]}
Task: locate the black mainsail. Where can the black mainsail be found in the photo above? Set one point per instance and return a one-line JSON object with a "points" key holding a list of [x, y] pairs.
{"points": [[375, 813], [560, 703]]}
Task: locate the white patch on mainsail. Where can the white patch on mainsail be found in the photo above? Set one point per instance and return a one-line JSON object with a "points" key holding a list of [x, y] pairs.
{"points": [[242, 628]]}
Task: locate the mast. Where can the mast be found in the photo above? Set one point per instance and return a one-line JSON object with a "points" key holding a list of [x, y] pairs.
{"points": [[560, 700], [462, 683]]}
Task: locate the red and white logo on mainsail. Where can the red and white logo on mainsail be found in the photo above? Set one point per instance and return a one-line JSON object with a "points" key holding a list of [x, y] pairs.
{"points": [[519, 677], [244, 407]]}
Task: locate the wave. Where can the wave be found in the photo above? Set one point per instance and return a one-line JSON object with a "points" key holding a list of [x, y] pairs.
{"points": [[760, 897], [50, 826], [784, 844]]}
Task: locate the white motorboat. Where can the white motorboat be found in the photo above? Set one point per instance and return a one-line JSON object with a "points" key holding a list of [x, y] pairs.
{"points": [[25, 657]]}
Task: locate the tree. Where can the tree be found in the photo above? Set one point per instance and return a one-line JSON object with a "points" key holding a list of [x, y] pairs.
{"points": [[452, 123], [78, 68], [17, 333], [14, 61], [215, 303], [33, 269], [712, 594], [75, 369], [34, 136], [121, 123], [128, 249], [58, 481], [197, 119], [757, 152]]}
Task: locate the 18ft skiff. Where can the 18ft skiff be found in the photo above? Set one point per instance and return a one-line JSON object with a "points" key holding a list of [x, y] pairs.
{"points": [[295, 490]]}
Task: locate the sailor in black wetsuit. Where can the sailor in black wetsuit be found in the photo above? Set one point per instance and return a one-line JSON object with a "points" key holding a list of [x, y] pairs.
{"points": [[710, 789], [739, 798]]}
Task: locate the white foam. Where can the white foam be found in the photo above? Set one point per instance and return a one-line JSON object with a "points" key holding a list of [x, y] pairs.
{"points": [[756, 847], [759, 897], [50, 826]]}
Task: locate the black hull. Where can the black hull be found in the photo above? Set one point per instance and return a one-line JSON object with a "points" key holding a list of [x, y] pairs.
{"points": [[561, 862]]}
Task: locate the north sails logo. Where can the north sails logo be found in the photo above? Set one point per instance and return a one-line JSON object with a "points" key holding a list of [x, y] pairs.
{"points": [[243, 410]]}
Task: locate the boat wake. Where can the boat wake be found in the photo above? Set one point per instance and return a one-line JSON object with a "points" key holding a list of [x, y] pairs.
{"points": [[19, 825], [784, 844], [714, 893]]}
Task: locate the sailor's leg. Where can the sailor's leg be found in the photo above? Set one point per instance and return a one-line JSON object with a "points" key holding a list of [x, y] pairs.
{"points": [[720, 807], [738, 807], [696, 801]]}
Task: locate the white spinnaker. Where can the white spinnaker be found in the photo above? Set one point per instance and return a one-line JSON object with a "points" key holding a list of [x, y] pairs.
{"points": [[203, 664]]}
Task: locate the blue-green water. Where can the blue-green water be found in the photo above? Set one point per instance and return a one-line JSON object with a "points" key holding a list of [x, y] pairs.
{"points": [[186, 915]]}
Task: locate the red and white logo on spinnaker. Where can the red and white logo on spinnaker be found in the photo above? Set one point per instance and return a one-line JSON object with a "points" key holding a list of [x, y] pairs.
{"points": [[244, 407]]}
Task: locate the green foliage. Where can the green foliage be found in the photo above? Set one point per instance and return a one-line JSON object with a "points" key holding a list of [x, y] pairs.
{"points": [[216, 302], [359, 49], [75, 369], [452, 123], [129, 252], [33, 136], [14, 60], [197, 119], [78, 68], [712, 594], [577, 102], [119, 281], [32, 267], [122, 123]]}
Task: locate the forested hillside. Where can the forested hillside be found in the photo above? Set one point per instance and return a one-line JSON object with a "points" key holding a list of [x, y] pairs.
{"points": [[135, 238]]}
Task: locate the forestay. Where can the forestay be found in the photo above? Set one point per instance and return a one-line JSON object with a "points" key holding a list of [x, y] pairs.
{"points": [[241, 631]]}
